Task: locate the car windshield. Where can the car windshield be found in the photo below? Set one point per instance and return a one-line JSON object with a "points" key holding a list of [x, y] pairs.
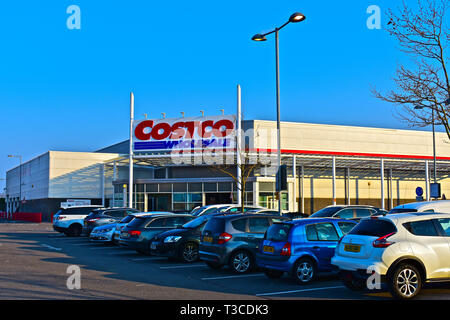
{"points": [[326, 212], [197, 211], [196, 222], [401, 210]]}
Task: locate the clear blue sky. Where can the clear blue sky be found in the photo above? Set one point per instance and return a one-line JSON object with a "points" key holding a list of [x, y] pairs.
{"points": [[64, 89]]}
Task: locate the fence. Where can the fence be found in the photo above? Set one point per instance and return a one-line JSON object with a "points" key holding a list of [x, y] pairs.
{"points": [[24, 216]]}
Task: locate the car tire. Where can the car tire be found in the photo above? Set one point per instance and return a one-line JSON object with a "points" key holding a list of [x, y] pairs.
{"points": [[74, 231], [189, 252], [213, 265], [241, 262], [273, 274], [304, 271], [405, 281]]}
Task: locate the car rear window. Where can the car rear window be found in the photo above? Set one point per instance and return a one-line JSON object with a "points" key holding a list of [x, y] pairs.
{"points": [[373, 227], [215, 225], [137, 222], [278, 232], [127, 219]]}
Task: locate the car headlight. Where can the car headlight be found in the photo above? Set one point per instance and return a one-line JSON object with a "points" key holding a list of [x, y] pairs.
{"points": [[172, 239]]}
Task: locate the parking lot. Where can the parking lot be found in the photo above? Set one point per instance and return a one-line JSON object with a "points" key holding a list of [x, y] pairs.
{"points": [[35, 259]]}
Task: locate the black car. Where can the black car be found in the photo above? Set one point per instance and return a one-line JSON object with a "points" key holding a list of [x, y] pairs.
{"points": [[101, 217], [181, 243], [353, 212], [139, 233], [233, 240]]}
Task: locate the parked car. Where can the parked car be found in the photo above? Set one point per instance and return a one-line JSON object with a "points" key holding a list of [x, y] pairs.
{"points": [[101, 217], [181, 243], [234, 239], [262, 210], [295, 215], [122, 223], [103, 233], [423, 206], [406, 250], [70, 220], [353, 212], [138, 233], [302, 247]]}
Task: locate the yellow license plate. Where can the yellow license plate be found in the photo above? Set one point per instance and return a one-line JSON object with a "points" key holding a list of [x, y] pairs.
{"points": [[268, 249], [352, 248], [207, 239]]}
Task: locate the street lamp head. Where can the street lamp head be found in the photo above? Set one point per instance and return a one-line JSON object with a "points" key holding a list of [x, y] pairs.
{"points": [[259, 37], [297, 17]]}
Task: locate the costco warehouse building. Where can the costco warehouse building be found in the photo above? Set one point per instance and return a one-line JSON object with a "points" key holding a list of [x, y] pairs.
{"points": [[327, 164]]}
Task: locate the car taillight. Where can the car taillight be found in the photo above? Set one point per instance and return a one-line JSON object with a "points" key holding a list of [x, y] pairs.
{"points": [[224, 237], [382, 241], [286, 250], [60, 218], [92, 220], [134, 233]]}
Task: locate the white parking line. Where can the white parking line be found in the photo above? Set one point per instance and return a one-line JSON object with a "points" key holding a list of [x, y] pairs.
{"points": [[149, 259], [101, 248], [50, 247], [237, 276], [297, 291], [186, 266]]}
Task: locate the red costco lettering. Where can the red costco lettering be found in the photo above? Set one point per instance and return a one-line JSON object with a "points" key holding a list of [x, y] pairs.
{"points": [[139, 130], [166, 130], [179, 130]]}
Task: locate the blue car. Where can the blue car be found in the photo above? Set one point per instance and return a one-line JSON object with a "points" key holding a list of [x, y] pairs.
{"points": [[301, 247]]}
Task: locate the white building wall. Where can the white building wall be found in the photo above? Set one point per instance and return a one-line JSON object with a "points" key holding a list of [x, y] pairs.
{"points": [[78, 174]]}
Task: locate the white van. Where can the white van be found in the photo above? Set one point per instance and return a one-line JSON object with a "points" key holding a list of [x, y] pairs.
{"points": [[441, 206]]}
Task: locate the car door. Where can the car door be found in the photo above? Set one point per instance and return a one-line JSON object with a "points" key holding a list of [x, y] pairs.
{"points": [[431, 246], [443, 226], [257, 227], [322, 239]]}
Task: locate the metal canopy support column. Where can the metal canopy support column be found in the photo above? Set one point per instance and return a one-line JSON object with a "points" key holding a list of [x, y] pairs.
{"points": [[294, 174], [102, 181], [334, 179], [427, 181], [391, 193], [382, 182], [114, 179], [301, 190], [348, 185]]}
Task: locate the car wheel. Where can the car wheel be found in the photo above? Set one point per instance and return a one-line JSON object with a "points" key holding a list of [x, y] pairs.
{"points": [[213, 265], [74, 230], [273, 274], [190, 252], [304, 271], [405, 282], [241, 262]]}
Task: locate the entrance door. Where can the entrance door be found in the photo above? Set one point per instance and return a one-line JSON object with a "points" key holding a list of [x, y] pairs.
{"points": [[159, 202]]}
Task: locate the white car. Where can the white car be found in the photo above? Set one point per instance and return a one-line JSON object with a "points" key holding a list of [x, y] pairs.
{"points": [[423, 206], [70, 220], [405, 250]]}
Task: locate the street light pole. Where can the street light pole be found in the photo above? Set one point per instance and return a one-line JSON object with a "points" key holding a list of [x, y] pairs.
{"points": [[296, 17], [277, 58]]}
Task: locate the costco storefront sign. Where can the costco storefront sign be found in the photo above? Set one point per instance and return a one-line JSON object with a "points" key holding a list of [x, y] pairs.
{"points": [[195, 133]]}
